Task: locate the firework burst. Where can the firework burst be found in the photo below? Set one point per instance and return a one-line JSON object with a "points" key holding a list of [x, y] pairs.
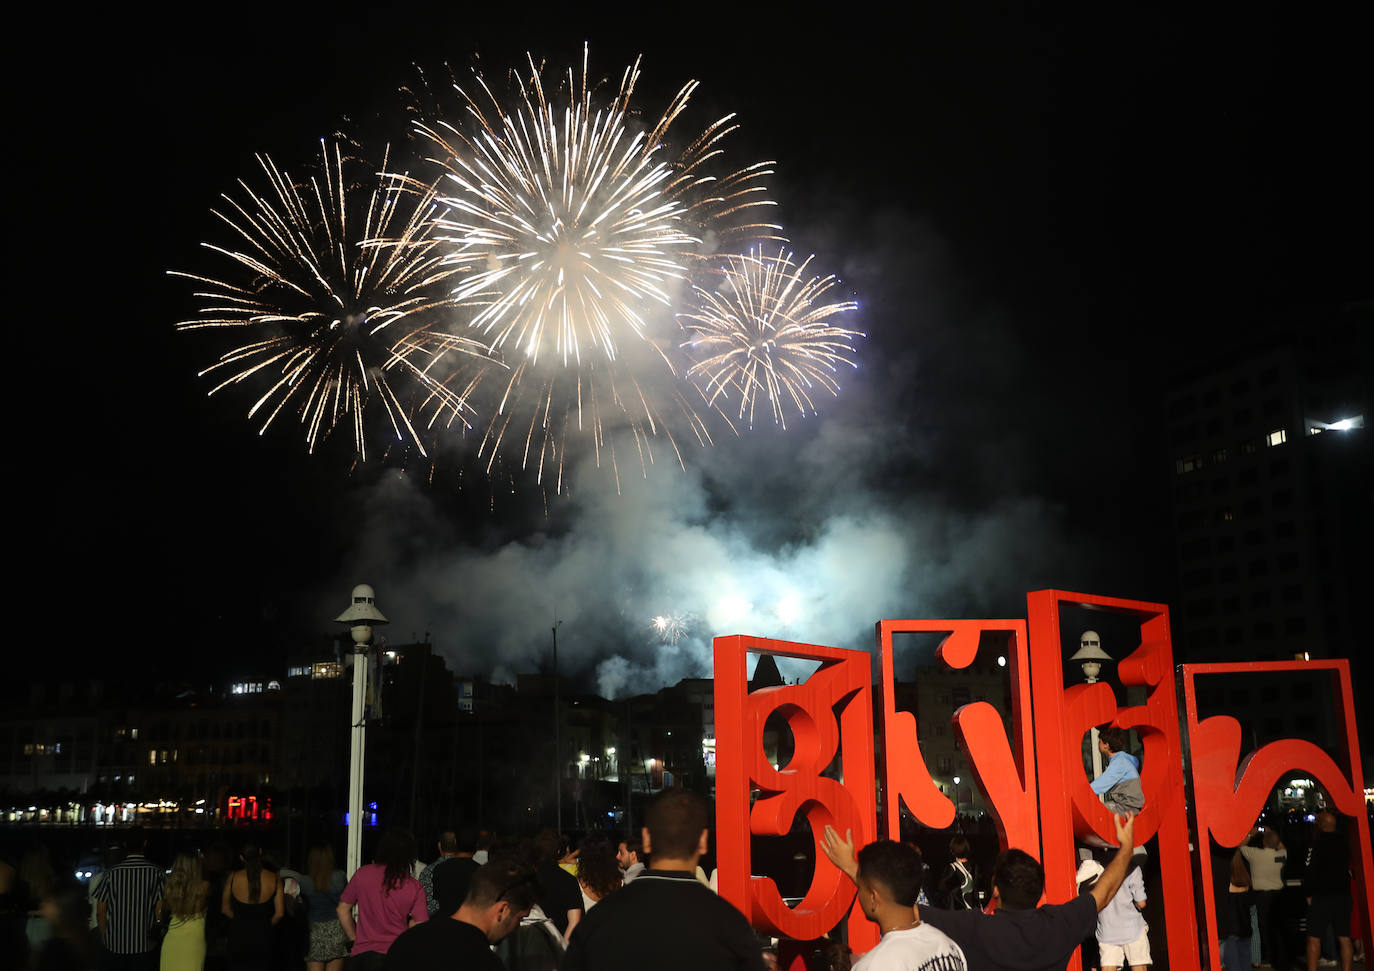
{"points": [[767, 330], [569, 231], [670, 627], [337, 286]]}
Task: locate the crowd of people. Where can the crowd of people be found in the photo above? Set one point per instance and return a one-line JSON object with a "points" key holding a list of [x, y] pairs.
{"points": [[542, 903], [1253, 917]]}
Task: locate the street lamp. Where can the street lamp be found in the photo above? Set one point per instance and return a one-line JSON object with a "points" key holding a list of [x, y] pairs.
{"points": [[361, 616], [1091, 655]]}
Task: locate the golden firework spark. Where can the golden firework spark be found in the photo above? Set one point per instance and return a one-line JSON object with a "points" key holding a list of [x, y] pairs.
{"points": [[571, 232], [670, 627], [766, 330], [339, 285]]}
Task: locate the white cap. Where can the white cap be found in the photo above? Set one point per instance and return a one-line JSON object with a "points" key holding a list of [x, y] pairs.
{"points": [[1088, 871]]}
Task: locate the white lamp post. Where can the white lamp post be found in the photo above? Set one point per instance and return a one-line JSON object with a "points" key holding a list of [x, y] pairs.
{"points": [[1091, 655], [361, 616]]}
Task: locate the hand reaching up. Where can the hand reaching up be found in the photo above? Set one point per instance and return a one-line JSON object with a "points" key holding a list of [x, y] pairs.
{"points": [[1125, 830], [840, 850]]}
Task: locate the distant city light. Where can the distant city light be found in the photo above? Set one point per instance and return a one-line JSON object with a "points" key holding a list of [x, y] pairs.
{"points": [[1341, 425]]}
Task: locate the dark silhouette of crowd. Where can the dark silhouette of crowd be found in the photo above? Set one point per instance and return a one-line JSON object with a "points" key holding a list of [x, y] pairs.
{"points": [[542, 902]]}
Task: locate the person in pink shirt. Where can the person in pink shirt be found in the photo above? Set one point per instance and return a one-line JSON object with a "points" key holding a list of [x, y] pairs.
{"points": [[388, 899]]}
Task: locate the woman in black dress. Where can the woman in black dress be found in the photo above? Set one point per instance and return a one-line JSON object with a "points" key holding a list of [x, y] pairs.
{"points": [[253, 903]]}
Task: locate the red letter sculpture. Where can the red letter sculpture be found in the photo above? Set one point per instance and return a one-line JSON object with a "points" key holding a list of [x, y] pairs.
{"points": [[831, 711], [1034, 783], [1228, 792], [1068, 806], [1006, 777]]}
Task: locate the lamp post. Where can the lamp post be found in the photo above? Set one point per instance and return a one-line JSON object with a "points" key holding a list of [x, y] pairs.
{"points": [[1091, 655], [361, 616]]}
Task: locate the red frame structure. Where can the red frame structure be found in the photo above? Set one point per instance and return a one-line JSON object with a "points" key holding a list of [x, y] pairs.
{"points": [[1033, 782], [1004, 768], [832, 711], [1229, 791], [1063, 715]]}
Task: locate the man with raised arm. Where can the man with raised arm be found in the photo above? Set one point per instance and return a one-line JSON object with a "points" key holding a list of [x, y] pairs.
{"points": [[1019, 936], [889, 879]]}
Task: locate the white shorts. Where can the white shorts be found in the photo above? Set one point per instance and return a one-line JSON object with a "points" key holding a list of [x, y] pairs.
{"points": [[1135, 954]]}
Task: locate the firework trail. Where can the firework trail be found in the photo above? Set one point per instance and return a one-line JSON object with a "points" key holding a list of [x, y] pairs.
{"points": [[766, 330], [337, 286], [569, 231]]}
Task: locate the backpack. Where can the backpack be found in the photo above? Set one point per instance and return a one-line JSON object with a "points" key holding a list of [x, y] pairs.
{"points": [[963, 896], [533, 946]]}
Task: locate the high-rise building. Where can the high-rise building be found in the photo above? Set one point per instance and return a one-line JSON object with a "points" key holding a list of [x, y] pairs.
{"points": [[1273, 489]]}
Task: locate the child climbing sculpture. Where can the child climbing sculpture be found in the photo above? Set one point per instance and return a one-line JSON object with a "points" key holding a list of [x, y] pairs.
{"points": [[1119, 783]]}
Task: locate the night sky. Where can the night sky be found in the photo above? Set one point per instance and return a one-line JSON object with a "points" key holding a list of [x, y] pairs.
{"points": [[1042, 215]]}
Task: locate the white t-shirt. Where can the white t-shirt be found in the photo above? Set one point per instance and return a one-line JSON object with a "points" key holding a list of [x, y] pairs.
{"points": [[1121, 922], [1266, 867], [920, 948]]}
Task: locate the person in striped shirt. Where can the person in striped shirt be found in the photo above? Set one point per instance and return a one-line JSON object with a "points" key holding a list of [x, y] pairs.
{"points": [[126, 904]]}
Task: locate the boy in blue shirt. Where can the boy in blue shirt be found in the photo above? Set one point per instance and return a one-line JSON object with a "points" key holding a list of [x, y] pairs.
{"points": [[1119, 783]]}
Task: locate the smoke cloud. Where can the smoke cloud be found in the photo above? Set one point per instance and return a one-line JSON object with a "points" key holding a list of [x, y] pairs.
{"points": [[902, 499]]}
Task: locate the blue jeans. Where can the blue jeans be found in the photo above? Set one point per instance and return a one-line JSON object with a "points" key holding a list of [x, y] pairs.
{"points": [[1235, 952]]}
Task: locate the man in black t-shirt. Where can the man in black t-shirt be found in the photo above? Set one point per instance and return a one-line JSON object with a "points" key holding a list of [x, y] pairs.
{"points": [[499, 897], [666, 919], [1019, 936], [450, 882], [1326, 884]]}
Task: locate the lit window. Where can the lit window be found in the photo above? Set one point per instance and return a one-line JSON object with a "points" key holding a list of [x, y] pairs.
{"points": [[1188, 463], [152, 756], [1277, 437], [1218, 455]]}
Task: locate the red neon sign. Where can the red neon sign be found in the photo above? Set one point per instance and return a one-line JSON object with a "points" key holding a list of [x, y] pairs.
{"points": [[248, 809]]}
